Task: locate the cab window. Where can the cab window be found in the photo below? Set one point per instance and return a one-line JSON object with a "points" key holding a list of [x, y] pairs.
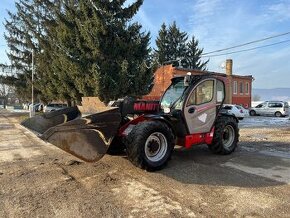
{"points": [[220, 92], [202, 94]]}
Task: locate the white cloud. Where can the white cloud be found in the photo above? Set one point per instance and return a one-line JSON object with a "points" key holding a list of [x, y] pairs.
{"points": [[279, 11], [205, 9], [219, 25]]}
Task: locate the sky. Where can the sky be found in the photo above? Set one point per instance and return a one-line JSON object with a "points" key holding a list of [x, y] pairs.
{"points": [[219, 24]]}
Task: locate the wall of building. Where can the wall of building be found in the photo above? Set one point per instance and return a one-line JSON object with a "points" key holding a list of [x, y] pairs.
{"points": [[164, 74], [162, 79], [242, 91]]}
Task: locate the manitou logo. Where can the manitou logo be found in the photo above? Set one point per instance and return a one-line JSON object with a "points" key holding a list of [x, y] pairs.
{"points": [[144, 106]]}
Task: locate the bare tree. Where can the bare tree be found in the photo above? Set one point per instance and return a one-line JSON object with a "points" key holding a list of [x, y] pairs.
{"points": [[5, 90]]}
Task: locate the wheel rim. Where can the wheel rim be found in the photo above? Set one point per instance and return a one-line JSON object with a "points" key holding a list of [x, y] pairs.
{"points": [[228, 136], [278, 114], [156, 146]]}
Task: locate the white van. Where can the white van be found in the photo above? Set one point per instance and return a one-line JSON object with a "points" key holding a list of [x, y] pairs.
{"points": [[276, 108]]}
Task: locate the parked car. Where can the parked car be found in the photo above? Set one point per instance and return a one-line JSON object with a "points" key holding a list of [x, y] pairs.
{"points": [[245, 111], [54, 107], [276, 108], [36, 107], [236, 110]]}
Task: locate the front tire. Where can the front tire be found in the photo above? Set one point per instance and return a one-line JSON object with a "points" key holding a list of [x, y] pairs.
{"points": [[117, 147], [149, 145], [278, 114], [253, 113], [226, 136]]}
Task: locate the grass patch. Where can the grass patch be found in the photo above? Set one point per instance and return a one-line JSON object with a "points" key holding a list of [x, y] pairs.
{"points": [[22, 117]]}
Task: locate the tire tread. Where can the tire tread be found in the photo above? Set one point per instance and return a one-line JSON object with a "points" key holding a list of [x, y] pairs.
{"points": [[136, 139]]}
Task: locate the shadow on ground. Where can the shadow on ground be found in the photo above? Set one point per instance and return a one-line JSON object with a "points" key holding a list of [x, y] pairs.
{"points": [[199, 166]]}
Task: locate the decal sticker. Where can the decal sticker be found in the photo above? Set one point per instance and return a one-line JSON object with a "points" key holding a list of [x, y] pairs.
{"points": [[202, 117]]}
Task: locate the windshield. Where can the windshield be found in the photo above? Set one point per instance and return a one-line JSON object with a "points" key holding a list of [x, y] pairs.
{"points": [[172, 94]]}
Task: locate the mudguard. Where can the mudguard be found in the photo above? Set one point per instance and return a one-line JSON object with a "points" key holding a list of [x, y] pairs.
{"points": [[87, 138]]}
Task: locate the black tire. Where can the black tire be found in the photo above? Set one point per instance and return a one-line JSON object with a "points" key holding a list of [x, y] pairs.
{"points": [[278, 114], [253, 113], [226, 136], [117, 147], [146, 138]]}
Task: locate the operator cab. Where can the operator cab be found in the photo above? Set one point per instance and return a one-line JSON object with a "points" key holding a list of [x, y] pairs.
{"points": [[195, 100]]}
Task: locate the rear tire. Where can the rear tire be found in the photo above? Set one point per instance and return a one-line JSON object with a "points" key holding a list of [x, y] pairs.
{"points": [[278, 114], [226, 136], [149, 145], [253, 113]]}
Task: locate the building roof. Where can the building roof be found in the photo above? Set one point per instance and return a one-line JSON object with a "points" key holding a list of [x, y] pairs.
{"points": [[220, 74]]}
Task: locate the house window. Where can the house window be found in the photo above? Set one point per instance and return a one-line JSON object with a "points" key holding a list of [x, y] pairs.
{"points": [[235, 87], [241, 88], [247, 88]]}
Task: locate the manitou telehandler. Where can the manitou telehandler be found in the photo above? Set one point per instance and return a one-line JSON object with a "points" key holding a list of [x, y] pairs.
{"points": [[188, 113]]}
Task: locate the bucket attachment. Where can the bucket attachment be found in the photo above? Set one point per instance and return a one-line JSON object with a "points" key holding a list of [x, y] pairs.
{"points": [[87, 138]]}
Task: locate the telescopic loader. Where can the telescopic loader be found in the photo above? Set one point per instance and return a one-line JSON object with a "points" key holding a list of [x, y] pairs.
{"points": [[189, 113]]}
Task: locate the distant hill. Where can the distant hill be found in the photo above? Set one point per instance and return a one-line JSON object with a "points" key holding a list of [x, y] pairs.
{"points": [[279, 94]]}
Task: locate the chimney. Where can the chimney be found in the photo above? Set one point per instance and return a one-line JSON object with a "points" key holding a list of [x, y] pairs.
{"points": [[229, 73], [229, 67]]}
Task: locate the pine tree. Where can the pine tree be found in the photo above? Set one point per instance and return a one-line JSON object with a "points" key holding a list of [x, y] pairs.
{"points": [[173, 46], [176, 43], [20, 43], [81, 47], [193, 57], [24, 35], [118, 47], [162, 51]]}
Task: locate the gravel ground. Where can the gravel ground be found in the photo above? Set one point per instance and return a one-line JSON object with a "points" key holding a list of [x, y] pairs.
{"points": [[39, 180]]}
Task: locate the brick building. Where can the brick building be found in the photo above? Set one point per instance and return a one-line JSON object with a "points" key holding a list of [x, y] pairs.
{"points": [[238, 88]]}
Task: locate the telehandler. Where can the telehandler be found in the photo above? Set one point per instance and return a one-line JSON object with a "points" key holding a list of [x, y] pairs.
{"points": [[189, 113]]}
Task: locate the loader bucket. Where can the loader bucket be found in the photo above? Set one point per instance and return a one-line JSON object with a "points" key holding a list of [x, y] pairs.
{"points": [[87, 138]]}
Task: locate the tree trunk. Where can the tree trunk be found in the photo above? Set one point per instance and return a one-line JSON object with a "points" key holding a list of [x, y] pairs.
{"points": [[5, 102]]}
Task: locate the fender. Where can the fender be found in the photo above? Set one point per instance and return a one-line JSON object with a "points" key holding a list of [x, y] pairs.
{"points": [[161, 118], [126, 129], [228, 115]]}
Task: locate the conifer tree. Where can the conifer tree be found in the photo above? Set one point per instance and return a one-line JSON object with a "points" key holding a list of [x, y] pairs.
{"points": [[81, 47], [176, 43], [173, 46], [21, 44], [118, 49], [162, 51], [193, 57]]}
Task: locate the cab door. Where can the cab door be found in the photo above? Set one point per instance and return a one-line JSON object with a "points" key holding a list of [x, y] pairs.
{"points": [[200, 107]]}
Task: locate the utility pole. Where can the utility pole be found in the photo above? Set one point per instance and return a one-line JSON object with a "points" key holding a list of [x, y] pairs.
{"points": [[32, 112]]}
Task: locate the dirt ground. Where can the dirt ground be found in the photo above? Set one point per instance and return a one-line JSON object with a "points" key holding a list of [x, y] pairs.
{"points": [[39, 180]]}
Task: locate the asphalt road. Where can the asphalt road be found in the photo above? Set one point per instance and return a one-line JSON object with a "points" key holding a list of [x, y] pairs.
{"points": [[39, 180]]}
